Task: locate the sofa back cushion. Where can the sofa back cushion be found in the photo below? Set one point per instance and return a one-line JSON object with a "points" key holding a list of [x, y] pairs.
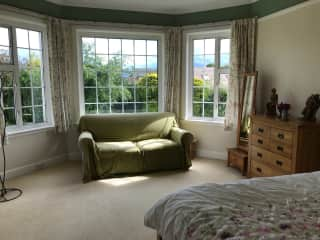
{"points": [[131, 127]]}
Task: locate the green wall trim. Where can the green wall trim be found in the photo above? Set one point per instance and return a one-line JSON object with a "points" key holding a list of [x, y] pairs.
{"points": [[217, 15], [260, 8], [263, 8]]}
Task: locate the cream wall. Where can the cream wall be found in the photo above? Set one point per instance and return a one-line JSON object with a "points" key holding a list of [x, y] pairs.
{"points": [[288, 55], [32, 150]]}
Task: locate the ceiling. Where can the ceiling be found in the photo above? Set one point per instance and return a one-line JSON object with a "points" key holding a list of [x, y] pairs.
{"points": [[156, 6]]}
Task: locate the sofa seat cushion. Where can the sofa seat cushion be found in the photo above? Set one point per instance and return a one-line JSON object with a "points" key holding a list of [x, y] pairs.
{"points": [[161, 154], [118, 157]]}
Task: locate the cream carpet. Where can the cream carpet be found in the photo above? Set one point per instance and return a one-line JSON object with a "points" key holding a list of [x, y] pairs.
{"points": [[56, 205]]}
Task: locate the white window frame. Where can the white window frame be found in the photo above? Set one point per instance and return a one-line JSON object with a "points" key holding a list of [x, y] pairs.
{"points": [[131, 34], [218, 34], [13, 21]]}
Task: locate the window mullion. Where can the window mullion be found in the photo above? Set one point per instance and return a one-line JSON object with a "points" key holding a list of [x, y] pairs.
{"points": [[216, 77], [17, 90]]}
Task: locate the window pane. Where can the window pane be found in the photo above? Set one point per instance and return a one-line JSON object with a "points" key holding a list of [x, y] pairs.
{"points": [[210, 46], [128, 94], [4, 40], [36, 77], [35, 40], [198, 47], [25, 78], [223, 87], [141, 107], [10, 116], [198, 61], [6, 79], [140, 47], [91, 108], [197, 94], [35, 59], [101, 46], [89, 76], [88, 46], [26, 97], [104, 108], [90, 95], [208, 110], [152, 94], [116, 94], [141, 94], [140, 63], [115, 46], [8, 97], [27, 116], [208, 94], [152, 63], [102, 60], [152, 107], [38, 114], [197, 109], [152, 47], [222, 110], [127, 63], [127, 47], [116, 108], [225, 53], [23, 57], [37, 96], [102, 78], [209, 61], [129, 107], [103, 95], [5, 55], [22, 38]]}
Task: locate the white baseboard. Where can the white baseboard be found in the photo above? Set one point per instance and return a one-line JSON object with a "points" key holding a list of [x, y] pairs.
{"points": [[19, 171], [212, 154], [74, 156]]}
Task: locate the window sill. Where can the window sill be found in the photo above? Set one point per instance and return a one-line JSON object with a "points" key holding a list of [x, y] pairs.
{"points": [[219, 123], [29, 130]]}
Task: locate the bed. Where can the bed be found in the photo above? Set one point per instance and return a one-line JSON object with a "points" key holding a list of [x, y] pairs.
{"points": [[279, 208]]}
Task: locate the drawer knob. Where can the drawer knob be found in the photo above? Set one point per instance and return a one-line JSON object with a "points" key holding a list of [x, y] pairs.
{"points": [[279, 148], [280, 136], [260, 141], [259, 170], [279, 163], [259, 155], [261, 130]]}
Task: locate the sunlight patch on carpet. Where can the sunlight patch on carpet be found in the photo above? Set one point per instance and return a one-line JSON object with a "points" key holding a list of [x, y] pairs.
{"points": [[123, 181]]}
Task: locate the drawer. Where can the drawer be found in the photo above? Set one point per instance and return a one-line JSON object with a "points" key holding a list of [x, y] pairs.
{"points": [[281, 136], [259, 154], [260, 141], [281, 162], [260, 129], [280, 148], [261, 170], [238, 161]]}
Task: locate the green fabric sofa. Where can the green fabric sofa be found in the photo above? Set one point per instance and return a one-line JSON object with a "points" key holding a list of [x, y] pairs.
{"points": [[126, 144]]}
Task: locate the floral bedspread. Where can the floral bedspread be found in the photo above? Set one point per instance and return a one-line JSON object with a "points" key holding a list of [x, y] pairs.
{"points": [[279, 208]]}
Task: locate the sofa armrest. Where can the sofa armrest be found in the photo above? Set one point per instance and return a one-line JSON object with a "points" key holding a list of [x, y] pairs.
{"points": [[185, 139], [181, 136], [88, 148]]}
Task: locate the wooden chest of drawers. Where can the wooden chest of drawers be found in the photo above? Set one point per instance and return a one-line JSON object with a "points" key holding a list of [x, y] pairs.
{"points": [[279, 148]]}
